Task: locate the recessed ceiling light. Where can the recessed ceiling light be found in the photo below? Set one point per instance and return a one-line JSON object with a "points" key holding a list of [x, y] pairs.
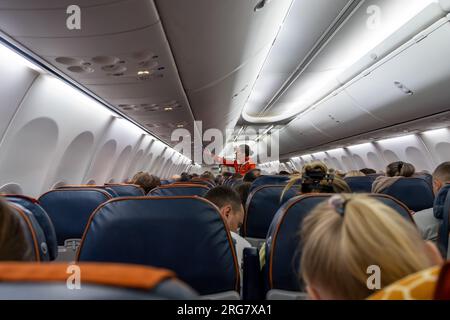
{"points": [[143, 73], [180, 125], [168, 109]]}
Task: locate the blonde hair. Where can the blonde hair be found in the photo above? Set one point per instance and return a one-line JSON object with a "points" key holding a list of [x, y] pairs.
{"points": [[337, 248], [355, 173], [337, 183]]}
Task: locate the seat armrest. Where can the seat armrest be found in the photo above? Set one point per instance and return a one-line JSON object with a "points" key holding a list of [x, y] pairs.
{"points": [[252, 276]]}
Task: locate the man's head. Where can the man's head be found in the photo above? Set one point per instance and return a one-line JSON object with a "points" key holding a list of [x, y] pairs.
{"points": [[441, 176], [229, 203]]}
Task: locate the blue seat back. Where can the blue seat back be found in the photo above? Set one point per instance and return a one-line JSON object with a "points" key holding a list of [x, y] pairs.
{"points": [[179, 190], [269, 180], [70, 209], [262, 205], [33, 232], [360, 184], [184, 234], [442, 212], [126, 190], [282, 244], [43, 220], [415, 193]]}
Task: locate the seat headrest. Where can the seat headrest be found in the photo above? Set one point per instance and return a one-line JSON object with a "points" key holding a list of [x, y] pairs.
{"points": [[126, 190], [415, 193], [98, 281], [282, 252], [262, 204], [360, 184], [70, 209], [179, 190], [43, 220], [106, 188], [183, 234], [269, 180]]}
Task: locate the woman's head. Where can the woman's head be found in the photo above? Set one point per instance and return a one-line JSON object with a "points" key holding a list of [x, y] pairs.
{"points": [[13, 244], [146, 181], [400, 169], [346, 235]]}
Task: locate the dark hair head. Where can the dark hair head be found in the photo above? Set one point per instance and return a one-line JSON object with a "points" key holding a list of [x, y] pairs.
{"points": [[243, 190], [146, 181], [284, 173], [368, 171], [245, 148], [400, 169], [227, 174], [252, 175], [13, 243], [222, 196], [185, 177]]}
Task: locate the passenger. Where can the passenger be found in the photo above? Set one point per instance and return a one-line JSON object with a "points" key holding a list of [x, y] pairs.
{"points": [[354, 173], [368, 171], [237, 176], [252, 175], [346, 235], [243, 190], [227, 174], [232, 211], [207, 175], [427, 223], [185, 177], [315, 179], [146, 181], [13, 244], [394, 171], [194, 175], [219, 180], [284, 173]]}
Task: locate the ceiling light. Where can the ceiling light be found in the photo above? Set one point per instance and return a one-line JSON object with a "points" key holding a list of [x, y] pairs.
{"points": [[168, 109], [180, 125], [143, 73]]}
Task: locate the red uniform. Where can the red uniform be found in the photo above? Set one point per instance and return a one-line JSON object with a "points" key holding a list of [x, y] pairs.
{"points": [[242, 168]]}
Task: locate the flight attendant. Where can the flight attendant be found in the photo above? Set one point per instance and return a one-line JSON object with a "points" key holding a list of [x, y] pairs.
{"points": [[242, 162]]}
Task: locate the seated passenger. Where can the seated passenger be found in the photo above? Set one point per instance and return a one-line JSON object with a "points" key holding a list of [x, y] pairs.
{"points": [[354, 173], [394, 172], [232, 211], [284, 173], [185, 177], [427, 223], [146, 181], [316, 179], [13, 244], [207, 175], [252, 175], [243, 190], [346, 235], [368, 171]]}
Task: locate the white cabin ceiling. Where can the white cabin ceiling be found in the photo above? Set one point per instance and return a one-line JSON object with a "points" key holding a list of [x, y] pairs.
{"points": [[217, 60]]}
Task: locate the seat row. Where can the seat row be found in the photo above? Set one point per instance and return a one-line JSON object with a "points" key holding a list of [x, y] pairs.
{"points": [[184, 234]]}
